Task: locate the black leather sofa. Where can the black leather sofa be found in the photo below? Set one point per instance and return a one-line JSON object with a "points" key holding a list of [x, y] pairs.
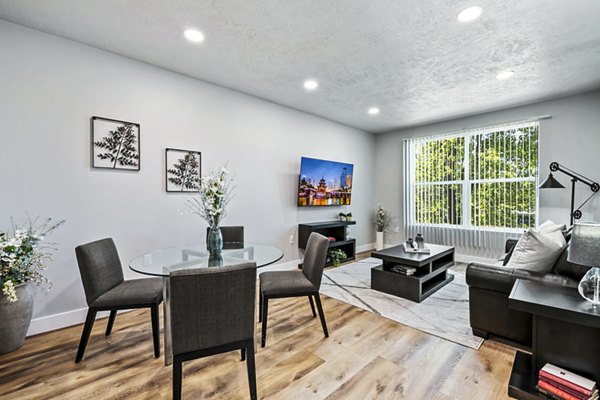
{"points": [[490, 286]]}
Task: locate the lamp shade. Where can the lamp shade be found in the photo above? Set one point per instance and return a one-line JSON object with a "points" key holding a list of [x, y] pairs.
{"points": [[551, 183], [585, 245]]}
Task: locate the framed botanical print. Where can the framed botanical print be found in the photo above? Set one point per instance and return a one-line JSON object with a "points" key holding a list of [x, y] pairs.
{"points": [[115, 144], [183, 170]]}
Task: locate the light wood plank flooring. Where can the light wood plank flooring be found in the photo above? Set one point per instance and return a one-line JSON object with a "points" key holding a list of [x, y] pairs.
{"points": [[365, 357]]}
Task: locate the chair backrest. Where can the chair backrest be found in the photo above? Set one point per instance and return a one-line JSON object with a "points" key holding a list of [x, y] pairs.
{"points": [[233, 236], [314, 258], [99, 266], [211, 306]]}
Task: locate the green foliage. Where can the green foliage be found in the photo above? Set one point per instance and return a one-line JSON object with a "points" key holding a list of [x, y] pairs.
{"points": [[337, 256], [502, 166]]}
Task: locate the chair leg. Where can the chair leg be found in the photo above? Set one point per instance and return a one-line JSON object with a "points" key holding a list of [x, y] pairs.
{"points": [[243, 356], [85, 335], [250, 365], [111, 322], [312, 306], [176, 379], [260, 302], [321, 314], [155, 329], [265, 314]]}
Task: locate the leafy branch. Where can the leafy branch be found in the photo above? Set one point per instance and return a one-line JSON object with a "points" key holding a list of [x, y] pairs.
{"points": [[120, 146], [186, 173]]}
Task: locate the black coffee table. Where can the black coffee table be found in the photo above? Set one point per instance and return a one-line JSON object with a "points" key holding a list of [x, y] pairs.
{"points": [[431, 274]]}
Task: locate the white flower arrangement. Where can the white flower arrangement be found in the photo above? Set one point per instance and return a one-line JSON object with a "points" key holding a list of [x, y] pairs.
{"points": [[382, 219], [23, 257], [212, 199]]}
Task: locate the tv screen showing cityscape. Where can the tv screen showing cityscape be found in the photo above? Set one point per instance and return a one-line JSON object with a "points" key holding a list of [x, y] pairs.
{"points": [[324, 183]]}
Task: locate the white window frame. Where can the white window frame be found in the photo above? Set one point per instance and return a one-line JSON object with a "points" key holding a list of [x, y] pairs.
{"points": [[467, 182]]}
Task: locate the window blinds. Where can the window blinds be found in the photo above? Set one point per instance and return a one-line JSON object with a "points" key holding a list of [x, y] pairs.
{"points": [[472, 189]]}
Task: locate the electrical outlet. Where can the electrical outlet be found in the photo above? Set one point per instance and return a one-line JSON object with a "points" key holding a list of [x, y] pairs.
{"points": [[291, 239]]}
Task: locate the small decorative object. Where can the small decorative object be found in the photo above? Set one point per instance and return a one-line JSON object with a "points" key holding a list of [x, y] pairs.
{"points": [[420, 241], [382, 220], [337, 256], [183, 170], [115, 144], [22, 260], [349, 217], [585, 250], [589, 287], [211, 203], [412, 246], [342, 216]]}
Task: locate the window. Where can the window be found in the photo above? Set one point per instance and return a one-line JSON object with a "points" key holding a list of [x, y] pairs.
{"points": [[480, 179]]}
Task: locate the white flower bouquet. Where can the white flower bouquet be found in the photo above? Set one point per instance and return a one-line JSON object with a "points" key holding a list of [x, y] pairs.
{"points": [[23, 256], [214, 195]]}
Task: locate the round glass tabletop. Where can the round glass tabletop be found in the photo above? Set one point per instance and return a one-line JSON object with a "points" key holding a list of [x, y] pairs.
{"points": [[162, 261]]}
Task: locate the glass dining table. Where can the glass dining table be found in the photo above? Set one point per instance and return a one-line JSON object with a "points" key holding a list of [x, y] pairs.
{"points": [[161, 262]]}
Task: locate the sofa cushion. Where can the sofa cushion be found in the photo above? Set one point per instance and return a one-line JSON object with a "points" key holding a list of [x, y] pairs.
{"points": [[566, 268], [537, 252], [549, 226]]}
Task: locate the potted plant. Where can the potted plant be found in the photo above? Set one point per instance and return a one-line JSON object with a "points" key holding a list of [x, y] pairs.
{"points": [[23, 257], [337, 256], [214, 195], [382, 220]]}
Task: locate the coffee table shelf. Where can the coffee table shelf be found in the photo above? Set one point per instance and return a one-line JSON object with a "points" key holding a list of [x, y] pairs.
{"points": [[431, 274]]}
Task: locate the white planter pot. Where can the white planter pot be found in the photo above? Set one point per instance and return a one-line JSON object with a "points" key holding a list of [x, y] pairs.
{"points": [[378, 240]]}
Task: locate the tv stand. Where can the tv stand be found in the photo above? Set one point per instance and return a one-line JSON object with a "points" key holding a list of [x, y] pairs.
{"points": [[334, 229]]}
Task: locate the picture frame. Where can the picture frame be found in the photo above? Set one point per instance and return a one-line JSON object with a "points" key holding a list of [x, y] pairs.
{"points": [[183, 170], [115, 144]]}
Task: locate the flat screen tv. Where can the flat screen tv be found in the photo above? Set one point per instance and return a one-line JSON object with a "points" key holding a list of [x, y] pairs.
{"points": [[324, 183]]}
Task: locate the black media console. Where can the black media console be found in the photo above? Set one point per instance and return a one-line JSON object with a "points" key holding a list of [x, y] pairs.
{"points": [[334, 229]]}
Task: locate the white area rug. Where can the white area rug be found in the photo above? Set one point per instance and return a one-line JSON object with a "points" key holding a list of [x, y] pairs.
{"points": [[444, 314]]}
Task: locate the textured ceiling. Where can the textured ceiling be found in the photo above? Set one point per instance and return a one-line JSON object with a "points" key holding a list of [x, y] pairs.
{"points": [[411, 58]]}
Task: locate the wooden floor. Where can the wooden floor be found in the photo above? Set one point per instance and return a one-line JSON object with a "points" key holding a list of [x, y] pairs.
{"points": [[365, 357]]}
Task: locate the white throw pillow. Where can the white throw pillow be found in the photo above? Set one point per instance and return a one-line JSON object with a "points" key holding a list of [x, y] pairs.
{"points": [[549, 226], [537, 252]]}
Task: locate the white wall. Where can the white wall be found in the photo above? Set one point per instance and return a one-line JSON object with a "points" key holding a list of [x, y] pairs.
{"points": [[571, 137], [52, 87]]}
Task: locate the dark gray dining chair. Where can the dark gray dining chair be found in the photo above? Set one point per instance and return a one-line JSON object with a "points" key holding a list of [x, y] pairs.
{"points": [[281, 284], [233, 237], [107, 290], [212, 312]]}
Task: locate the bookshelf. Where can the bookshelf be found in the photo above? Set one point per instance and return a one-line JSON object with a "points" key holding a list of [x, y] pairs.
{"points": [[334, 229]]}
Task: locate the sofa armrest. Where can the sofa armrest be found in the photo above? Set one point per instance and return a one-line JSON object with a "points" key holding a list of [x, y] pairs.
{"points": [[501, 278], [490, 277]]}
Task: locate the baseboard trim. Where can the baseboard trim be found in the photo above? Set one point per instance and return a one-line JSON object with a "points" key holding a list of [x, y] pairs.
{"points": [[365, 247], [61, 320], [466, 258]]}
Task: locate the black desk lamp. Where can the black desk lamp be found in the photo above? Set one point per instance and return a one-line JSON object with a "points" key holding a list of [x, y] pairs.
{"points": [[552, 183]]}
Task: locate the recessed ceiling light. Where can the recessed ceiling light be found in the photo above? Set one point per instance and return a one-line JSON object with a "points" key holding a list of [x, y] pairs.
{"points": [[373, 111], [469, 14], [504, 75], [311, 84], [194, 35]]}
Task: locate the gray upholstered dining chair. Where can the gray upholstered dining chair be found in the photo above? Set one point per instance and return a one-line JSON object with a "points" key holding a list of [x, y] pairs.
{"points": [[107, 290], [212, 312], [280, 284], [233, 236]]}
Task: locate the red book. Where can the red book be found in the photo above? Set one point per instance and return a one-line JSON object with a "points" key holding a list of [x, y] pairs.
{"points": [[564, 388], [554, 390], [566, 383]]}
